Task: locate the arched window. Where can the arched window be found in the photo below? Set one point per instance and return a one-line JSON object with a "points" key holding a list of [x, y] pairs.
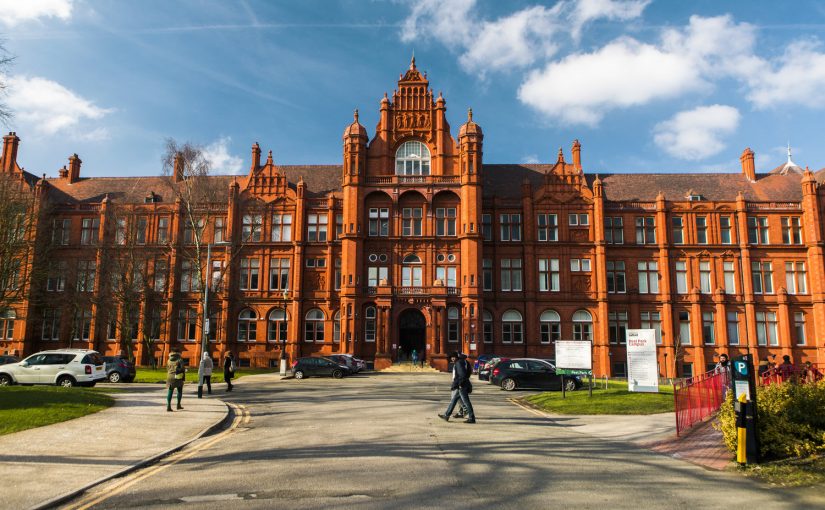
{"points": [[550, 326], [336, 327], [412, 258], [412, 158], [512, 329], [453, 329], [7, 318], [411, 274], [314, 326], [487, 327], [247, 328], [582, 325], [370, 314], [276, 331]]}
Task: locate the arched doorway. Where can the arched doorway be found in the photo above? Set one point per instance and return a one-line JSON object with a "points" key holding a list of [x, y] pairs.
{"points": [[412, 333]]}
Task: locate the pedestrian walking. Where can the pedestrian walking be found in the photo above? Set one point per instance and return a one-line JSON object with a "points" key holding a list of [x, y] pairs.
{"points": [[414, 357], [206, 369], [461, 388], [228, 370], [175, 374]]}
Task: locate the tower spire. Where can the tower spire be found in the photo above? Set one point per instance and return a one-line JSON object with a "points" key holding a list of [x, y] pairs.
{"points": [[412, 61]]}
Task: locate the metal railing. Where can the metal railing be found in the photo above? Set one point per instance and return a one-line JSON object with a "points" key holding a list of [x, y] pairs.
{"points": [[699, 397], [799, 374]]}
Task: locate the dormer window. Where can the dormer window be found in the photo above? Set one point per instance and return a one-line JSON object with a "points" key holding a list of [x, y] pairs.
{"points": [[695, 198], [412, 158]]}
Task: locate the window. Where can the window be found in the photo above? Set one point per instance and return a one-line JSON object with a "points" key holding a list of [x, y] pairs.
{"points": [[681, 277], [376, 274], [614, 230], [411, 276], [411, 221], [487, 327], [86, 271], [510, 225], [315, 262], [619, 369], [550, 326], [445, 221], [578, 220], [247, 326], [140, 234], [336, 276], [648, 277], [704, 277], [317, 228], [82, 325], [60, 231], [795, 281], [548, 227], [762, 273], [701, 230], [163, 230], [730, 277], [616, 277], [379, 222], [276, 331], [582, 325], [758, 230], [799, 327], [187, 325], [549, 275], [281, 228], [192, 231], [708, 328], [676, 230], [733, 328], [653, 320], [412, 158], [579, 265], [447, 275], [279, 274], [10, 280], [646, 230], [336, 327], [487, 227], [249, 274], [791, 230], [766, 328], [56, 280], [617, 327], [189, 281], [120, 231], [453, 330], [725, 230], [155, 321], [511, 327], [7, 318], [370, 315], [684, 327], [51, 324], [687, 370], [89, 230], [220, 230], [487, 274], [511, 275]]}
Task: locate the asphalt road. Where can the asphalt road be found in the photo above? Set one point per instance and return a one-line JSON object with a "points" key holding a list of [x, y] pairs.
{"points": [[375, 441]]}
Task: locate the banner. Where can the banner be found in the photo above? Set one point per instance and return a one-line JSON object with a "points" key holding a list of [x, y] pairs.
{"points": [[574, 357], [642, 364]]}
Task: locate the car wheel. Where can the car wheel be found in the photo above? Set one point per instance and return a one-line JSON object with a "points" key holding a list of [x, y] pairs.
{"points": [[508, 384], [114, 377], [569, 385], [299, 374], [5, 380], [65, 381], [337, 374]]}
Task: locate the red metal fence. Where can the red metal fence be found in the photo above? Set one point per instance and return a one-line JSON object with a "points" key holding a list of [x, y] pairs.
{"points": [[699, 397], [800, 374]]}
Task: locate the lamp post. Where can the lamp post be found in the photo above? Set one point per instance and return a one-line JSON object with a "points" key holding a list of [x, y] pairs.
{"points": [[205, 332], [283, 338]]}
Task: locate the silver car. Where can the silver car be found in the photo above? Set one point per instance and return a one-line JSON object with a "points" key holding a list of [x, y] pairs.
{"points": [[63, 367]]}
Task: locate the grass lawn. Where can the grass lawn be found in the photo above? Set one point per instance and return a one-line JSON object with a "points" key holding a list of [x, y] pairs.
{"points": [[807, 472], [26, 407], [158, 375], [613, 400]]}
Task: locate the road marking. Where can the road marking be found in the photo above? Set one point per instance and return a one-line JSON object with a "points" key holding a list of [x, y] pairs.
{"points": [[528, 408], [242, 415]]}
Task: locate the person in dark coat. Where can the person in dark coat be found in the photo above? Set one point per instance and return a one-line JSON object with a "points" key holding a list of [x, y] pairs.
{"points": [[228, 370], [175, 375], [461, 388]]}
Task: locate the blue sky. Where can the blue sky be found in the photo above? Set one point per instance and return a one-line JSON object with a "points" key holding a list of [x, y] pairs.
{"points": [[646, 86]]}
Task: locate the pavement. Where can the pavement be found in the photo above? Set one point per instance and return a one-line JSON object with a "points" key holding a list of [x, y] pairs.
{"points": [[374, 441], [38, 465], [702, 445]]}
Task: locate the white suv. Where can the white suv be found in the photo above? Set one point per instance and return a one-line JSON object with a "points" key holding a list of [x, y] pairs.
{"points": [[64, 367]]}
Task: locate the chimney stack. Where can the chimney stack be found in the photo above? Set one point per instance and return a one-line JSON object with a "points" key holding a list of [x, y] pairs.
{"points": [[74, 168], [178, 167], [577, 155], [748, 167], [63, 172], [256, 156], [10, 144]]}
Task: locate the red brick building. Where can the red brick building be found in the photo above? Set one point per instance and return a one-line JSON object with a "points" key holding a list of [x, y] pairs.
{"points": [[414, 242]]}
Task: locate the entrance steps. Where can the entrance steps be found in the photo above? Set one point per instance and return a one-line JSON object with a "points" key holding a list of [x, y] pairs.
{"points": [[408, 367]]}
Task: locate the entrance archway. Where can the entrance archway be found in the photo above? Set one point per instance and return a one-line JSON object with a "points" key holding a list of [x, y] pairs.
{"points": [[412, 333]]}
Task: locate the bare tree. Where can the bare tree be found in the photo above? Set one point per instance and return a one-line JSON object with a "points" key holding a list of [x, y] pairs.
{"points": [[18, 239], [6, 61]]}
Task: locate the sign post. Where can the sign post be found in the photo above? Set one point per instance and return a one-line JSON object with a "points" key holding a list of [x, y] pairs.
{"points": [[642, 365], [744, 387], [573, 357]]}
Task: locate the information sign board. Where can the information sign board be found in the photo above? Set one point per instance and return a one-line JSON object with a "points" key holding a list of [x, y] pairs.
{"points": [[574, 357], [642, 365]]}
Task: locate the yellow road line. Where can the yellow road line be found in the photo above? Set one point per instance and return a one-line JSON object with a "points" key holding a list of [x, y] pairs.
{"points": [[528, 408]]}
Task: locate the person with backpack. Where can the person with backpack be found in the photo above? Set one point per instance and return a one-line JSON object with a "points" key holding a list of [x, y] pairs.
{"points": [[228, 370], [206, 366], [175, 375], [461, 387]]}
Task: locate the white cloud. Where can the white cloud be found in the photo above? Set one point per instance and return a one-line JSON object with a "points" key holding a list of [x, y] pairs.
{"points": [[14, 12], [697, 134], [530, 159], [217, 153], [798, 78], [447, 21], [586, 11], [48, 107]]}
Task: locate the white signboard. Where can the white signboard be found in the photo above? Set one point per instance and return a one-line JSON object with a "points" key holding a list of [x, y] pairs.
{"points": [[573, 355], [642, 366]]}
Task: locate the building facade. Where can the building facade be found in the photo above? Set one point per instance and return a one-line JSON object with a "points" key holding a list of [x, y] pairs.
{"points": [[414, 243]]}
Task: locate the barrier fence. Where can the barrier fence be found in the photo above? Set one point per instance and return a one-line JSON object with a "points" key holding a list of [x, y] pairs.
{"points": [[699, 397], [800, 374]]}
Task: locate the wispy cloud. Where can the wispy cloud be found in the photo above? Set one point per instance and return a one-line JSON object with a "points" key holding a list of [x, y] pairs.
{"points": [[15, 12]]}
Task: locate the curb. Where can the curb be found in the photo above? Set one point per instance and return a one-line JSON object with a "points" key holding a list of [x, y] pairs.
{"points": [[51, 503]]}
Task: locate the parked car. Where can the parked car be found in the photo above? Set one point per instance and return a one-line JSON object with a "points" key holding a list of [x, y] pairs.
{"points": [[119, 369], [481, 360], [354, 364], [486, 369], [64, 367], [5, 359], [531, 373], [312, 366]]}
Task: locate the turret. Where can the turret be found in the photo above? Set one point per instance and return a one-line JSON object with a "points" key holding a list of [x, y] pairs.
{"points": [[256, 156], [355, 149], [470, 141]]}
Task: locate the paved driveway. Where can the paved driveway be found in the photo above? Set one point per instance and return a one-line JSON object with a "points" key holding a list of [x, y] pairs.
{"points": [[375, 442]]}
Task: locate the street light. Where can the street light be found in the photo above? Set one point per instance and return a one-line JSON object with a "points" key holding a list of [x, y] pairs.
{"points": [[205, 332], [283, 337]]}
